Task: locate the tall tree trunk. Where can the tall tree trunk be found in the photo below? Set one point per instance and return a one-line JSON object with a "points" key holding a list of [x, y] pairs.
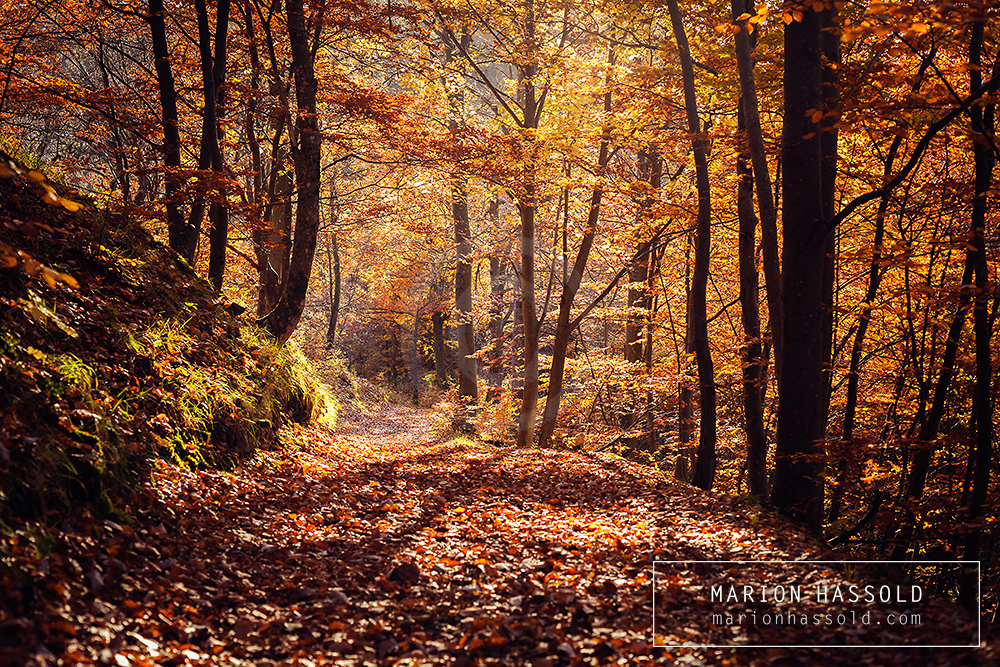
{"points": [[685, 426], [829, 134], [283, 319], [983, 129], [753, 350], [468, 386], [638, 300], [171, 133], [797, 491], [564, 327], [762, 179], [704, 469], [415, 365], [209, 154], [526, 205], [219, 212]]}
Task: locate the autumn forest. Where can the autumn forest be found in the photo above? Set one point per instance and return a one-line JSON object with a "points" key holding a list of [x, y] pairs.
{"points": [[743, 248]]}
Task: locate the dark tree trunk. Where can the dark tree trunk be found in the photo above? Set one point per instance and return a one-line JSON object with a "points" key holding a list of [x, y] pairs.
{"points": [[982, 126], [762, 179], [828, 149], [638, 309], [753, 350], [219, 212], [685, 425], [171, 133], [283, 319], [210, 153], [797, 490], [704, 469]]}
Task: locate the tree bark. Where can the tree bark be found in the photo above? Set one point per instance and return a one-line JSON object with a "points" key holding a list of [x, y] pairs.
{"points": [[704, 469], [753, 350], [638, 300], [762, 179], [219, 211], [283, 319], [983, 128], [829, 133], [797, 491], [526, 205], [468, 386], [171, 133]]}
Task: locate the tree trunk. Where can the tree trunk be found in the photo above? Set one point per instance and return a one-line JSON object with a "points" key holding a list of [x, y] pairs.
{"points": [[830, 42], [209, 154], [982, 127], [171, 133], [564, 326], [638, 300], [704, 469], [415, 365], [219, 212], [797, 491], [283, 319], [437, 341], [498, 285], [753, 351], [333, 253], [526, 205], [762, 179], [468, 389]]}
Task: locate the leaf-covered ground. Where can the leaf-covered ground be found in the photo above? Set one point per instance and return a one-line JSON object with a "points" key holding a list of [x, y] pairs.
{"points": [[384, 543]]}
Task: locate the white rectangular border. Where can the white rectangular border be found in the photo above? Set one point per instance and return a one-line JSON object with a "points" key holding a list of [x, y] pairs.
{"points": [[979, 618]]}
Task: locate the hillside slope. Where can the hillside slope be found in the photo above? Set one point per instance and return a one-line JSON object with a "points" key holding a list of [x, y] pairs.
{"points": [[113, 354]]}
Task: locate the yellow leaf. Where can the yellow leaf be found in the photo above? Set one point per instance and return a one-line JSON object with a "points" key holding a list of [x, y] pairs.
{"points": [[36, 176], [787, 18], [817, 115], [69, 280], [50, 276], [70, 206], [5, 171], [50, 198]]}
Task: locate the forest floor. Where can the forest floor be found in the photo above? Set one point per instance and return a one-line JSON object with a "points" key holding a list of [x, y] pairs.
{"points": [[388, 541]]}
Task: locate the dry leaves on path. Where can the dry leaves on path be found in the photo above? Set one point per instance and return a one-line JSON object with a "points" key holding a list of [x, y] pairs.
{"points": [[383, 544]]}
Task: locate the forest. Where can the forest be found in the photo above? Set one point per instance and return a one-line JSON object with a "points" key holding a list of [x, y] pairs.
{"points": [[584, 263]]}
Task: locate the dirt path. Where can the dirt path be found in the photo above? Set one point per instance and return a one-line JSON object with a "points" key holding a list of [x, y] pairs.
{"points": [[383, 544]]}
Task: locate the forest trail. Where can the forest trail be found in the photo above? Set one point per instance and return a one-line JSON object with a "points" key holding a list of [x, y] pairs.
{"points": [[385, 543]]}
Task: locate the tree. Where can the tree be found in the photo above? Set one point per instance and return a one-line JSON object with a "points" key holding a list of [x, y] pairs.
{"points": [[282, 320], [797, 490], [697, 337]]}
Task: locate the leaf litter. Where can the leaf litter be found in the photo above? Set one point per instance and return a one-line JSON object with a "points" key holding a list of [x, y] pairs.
{"points": [[385, 543]]}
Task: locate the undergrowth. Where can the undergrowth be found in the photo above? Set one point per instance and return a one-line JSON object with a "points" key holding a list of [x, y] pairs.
{"points": [[140, 363]]}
